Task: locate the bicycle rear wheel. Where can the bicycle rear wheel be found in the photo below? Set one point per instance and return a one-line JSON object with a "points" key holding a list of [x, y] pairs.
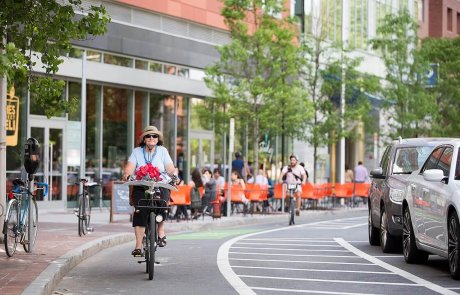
{"points": [[32, 226], [10, 227], [153, 245]]}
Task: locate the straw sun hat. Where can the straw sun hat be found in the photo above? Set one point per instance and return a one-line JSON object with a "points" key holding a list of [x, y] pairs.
{"points": [[151, 130]]}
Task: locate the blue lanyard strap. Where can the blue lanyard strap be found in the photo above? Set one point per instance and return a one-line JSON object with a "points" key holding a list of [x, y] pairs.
{"points": [[152, 157]]}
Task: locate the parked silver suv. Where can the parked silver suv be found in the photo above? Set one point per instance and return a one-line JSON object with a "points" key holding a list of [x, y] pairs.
{"points": [[399, 160]]}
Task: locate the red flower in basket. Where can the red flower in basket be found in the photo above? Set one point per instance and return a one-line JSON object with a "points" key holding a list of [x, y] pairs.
{"points": [[148, 172]]}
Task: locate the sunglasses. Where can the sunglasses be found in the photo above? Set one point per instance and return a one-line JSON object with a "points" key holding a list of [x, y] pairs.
{"points": [[151, 136]]}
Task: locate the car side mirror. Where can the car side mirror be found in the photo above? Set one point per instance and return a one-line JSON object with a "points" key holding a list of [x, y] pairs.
{"points": [[377, 173], [433, 175]]}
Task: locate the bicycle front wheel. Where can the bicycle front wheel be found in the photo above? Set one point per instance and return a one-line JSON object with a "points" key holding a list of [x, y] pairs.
{"points": [[10, 227], [153, 243], [87, 213], [32, 226], [291, 210], [82, 229]]}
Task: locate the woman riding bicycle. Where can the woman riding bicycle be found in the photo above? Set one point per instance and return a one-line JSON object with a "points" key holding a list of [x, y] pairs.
{"points": [[150, 150]]}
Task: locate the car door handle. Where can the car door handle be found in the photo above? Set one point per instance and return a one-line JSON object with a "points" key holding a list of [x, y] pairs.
{"points": [[424, 192]]}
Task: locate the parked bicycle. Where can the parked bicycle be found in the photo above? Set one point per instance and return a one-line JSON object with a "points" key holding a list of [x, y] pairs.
{"points": [[291, 188], [17, 224], [83, 211], [156, 206]]}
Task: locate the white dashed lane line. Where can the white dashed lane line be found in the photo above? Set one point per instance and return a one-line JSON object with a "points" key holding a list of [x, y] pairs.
{"points": [[257, 259]]}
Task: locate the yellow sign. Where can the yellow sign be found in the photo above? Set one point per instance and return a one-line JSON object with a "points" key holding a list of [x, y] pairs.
{"points": [[12, 118]]}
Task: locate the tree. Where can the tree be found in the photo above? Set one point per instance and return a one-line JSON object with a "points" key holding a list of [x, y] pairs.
{"points": [[256, 78], [40, 31], [36, 33], [321, 74], [409, 106], [445, 52]]}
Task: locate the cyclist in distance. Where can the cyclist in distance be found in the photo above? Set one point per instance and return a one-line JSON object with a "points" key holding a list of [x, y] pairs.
{"points": [[150, 150], [294, 174]]}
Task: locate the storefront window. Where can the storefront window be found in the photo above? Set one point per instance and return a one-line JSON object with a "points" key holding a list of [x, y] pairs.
{"points": [[36, 109], [168, 123], [115, 135], [156, 109], [140, 114], [170, 69], [182, 140]]}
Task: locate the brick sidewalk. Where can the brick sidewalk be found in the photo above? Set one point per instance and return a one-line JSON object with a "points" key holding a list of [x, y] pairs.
{"points": [[53, 240]]}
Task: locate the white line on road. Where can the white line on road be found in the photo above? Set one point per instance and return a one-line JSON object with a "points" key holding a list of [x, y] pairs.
{"points": [[331, 281], [290, 249], [294, 255], [356, 225], [388, 256], [396, 270], [290, 244], [309, 291], [315, 270], [298, 261], [310, 240]]}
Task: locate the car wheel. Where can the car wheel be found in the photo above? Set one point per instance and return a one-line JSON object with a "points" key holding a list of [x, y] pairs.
{"points": [[373, 231], [411, 253], [388, 243], [453, 246]]}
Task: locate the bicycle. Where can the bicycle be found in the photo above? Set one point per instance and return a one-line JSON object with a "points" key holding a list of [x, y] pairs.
{"points": [[17, 224], [292, 202], [156, 206], [83, 212]]}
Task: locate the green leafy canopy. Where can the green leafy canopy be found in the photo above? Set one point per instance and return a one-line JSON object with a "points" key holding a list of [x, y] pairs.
{"points": [[37, 34]]}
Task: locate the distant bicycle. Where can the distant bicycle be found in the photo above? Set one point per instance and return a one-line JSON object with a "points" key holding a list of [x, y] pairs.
{"points": [[291, 188], [156, 206], [83, 212], [17, 225]]}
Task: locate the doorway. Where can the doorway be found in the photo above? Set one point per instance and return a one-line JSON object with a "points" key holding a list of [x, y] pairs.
{"points": [[52, 167]]}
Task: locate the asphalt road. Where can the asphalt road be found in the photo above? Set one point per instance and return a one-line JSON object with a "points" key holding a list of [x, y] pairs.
{"points": [[327, 255]]}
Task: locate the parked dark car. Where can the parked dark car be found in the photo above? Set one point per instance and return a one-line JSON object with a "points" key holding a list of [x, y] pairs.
{"points": [[399, 160]]}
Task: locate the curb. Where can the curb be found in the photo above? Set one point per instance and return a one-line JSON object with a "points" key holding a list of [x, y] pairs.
{"points": [[48, 279]]}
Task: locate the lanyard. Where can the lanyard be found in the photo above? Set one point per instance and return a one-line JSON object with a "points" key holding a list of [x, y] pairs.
{"points": [[150, 158]]}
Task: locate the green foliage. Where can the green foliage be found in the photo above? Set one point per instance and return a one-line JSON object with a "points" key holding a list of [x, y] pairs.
{"points": [[256, 79], [446, 53], [38, 33], [409, 106]]}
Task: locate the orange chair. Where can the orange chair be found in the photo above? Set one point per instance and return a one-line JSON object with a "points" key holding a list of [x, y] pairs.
{"points": [[362, 189], [307, 193], [236, 197], [343, 190], [181, 196], [279, 192], [254, 193]]}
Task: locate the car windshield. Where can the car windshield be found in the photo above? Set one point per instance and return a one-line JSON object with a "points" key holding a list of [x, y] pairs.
{"points": [[409, 159]]}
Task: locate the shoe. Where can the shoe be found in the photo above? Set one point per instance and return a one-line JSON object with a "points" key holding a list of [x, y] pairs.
{"points": [[297, 212], [162, 241], [137, 253]]}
